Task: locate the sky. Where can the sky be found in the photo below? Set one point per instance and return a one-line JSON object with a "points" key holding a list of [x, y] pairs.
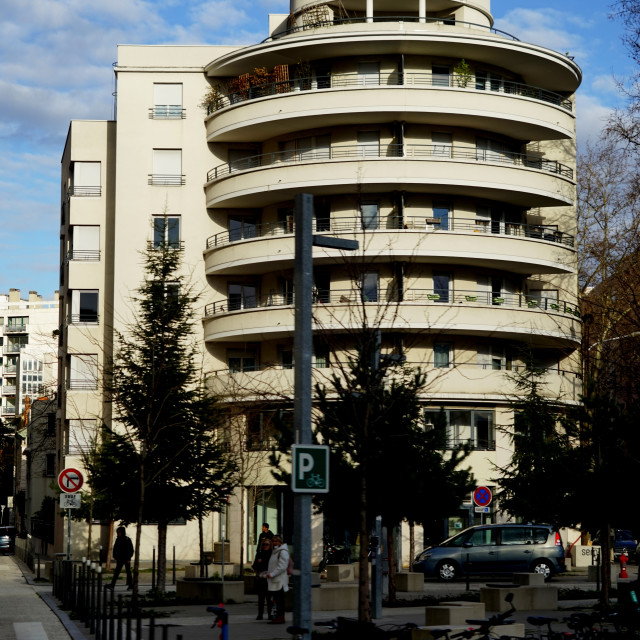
{"points": [[56, 65]]}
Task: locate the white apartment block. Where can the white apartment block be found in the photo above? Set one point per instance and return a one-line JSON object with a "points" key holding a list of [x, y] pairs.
{"points": [[445, 146]]}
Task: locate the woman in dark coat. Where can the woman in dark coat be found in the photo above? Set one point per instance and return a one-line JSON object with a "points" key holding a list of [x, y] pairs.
{"points": [[260, 566]]}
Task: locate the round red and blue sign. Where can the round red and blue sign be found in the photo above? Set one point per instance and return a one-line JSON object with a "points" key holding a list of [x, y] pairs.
{"points": [[482, 496]]}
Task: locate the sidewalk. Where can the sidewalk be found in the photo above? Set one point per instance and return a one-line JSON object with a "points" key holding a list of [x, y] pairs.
{"points": [[192, 622]]}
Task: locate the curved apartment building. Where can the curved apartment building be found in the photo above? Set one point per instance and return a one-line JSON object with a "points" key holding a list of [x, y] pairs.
{"points": [[443, 145]]}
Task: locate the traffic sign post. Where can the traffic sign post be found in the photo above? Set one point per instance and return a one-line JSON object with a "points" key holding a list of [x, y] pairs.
{"points": [[70, 482], [310, 468], [482, 498]]}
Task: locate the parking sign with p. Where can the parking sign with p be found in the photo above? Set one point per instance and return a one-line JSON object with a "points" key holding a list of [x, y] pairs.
{"points": [[310, 473]]}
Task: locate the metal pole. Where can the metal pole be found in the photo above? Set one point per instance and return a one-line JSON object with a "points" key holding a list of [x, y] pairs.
{"points": [[303, 347], [68, 534], [376, 569]]}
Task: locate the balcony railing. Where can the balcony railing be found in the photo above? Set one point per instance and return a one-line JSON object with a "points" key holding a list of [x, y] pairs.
{"points": [[177, 245], [436, 152], [386, 80], [84, 255], [84, 318], [85, 191], [399, 19], [423, 223], [167, 112], [8, 390], [166, 180], [12, 348], [82, 384], [8, 411], [10, 368], [16, 328], [353, 297]]}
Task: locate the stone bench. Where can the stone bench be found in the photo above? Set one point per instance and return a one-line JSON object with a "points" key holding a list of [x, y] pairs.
{"points": [[453, 614], [341, 573], [334, 597], [409, 581], [515, 630], [529, 579], [524, 598]]}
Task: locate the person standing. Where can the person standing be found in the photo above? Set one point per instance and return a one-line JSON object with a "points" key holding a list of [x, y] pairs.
{"points": [[260, 566], [278, 577], [266, 534], [122, 554]]}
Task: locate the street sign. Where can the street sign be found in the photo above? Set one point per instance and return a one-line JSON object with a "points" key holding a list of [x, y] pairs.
{"points": [[482, 510], [70, 500], [70, 480], [482, 496], [310, 473]]}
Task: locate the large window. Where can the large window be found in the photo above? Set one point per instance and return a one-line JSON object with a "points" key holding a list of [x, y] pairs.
{"points": [[466, 426], [369, 212], [242, 360], [442, 355], [441, 286], [369, 73], [83, 372], [441, 213], [167, 167], [369, 286], [81, 436], [166, 232], [241, 227], [84, 306], [85, 243], [369, 144], [242, 296], [86, 179], [167, 101]]}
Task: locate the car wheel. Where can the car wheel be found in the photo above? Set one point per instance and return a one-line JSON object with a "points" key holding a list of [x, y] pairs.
{"points": [[544, 567], [447, 570]]}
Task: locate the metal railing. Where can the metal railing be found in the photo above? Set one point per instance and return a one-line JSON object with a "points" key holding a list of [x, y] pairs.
{"points": [[16, 328], [410, 296], [82, 384], [550, 233], [8, 411], [84, 318], [177, 245], [377, 19], [395, 79], [13, 348], [387, 151], [166, 180], [167, 112], [84, 255], [85, 191], [8, 390]]}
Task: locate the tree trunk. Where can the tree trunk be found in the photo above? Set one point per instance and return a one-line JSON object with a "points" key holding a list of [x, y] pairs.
{"points": [[412, 544], [201, 545], [391, 553], [364, 600], [242, 519], [161, 582], [605, 559]]}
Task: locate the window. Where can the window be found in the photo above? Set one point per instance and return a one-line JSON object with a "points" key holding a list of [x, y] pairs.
{"points": [[83, 372], [241, 360], [166, 232], [442, 355], [369, 212], [441, 214], [517, 535], [322, 286], [85, 180], [441, 286], [322, 210], [483, 538], [369, 287], [241, 159], [440, 75], [242, 227], [84, 306], [85, 243], [369, 73], [51, 425], [368, 144], [491, 290], [320, 357], [242, 296], [472, 427], [493, 357], [17, 323], [486, 80], [286, 290], [50, 469], [494, 151], [262, 430], [442, 144], [167, 167], [286, 358], [167, 101], [81, 436]]}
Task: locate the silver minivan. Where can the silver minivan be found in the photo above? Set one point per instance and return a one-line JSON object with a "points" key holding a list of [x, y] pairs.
{"points": [[495, 549]]}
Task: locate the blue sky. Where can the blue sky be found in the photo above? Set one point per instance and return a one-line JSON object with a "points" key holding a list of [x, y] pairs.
{"points": [[55, 65]]}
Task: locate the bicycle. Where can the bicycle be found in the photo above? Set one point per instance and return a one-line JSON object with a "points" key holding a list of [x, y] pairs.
{"points": [[352, 629], [297, 633]]}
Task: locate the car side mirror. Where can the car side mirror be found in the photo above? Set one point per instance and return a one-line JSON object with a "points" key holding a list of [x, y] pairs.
{"points": [[466, 545]]}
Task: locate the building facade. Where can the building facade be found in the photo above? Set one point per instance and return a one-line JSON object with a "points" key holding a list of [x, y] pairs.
{"points": [[445, 146]]}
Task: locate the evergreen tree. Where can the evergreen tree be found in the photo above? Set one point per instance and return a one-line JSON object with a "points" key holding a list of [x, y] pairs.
{"points": [[160, 461]]}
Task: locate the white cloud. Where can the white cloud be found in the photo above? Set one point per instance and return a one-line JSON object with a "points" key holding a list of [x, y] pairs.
{"points": [[592, 115]]}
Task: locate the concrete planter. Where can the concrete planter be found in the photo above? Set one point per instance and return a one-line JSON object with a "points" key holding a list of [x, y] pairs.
{"points": [[231, 591]]}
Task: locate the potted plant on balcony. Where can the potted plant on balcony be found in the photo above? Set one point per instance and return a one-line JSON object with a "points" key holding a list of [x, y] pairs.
{"points": [[462, 73]]}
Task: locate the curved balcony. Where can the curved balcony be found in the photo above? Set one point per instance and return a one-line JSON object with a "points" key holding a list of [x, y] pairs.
{"points": [[520, 248], [547, 321], [258, 181], [409, 35], [517, 110], [464, 381]]}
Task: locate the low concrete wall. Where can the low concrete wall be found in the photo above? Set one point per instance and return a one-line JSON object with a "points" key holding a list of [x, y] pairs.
{"points": [[581, 555], [409, 581], [529, 579], [341, 573], [524, 598], [211, 590]]}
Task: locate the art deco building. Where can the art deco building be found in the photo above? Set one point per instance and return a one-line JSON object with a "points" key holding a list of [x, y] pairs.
{"points": [[445, 146]]}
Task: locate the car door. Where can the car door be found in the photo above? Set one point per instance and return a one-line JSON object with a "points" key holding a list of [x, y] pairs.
{"points": [[516, 550], [480, 551]]}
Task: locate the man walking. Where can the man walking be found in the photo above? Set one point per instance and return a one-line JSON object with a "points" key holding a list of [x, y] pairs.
{"points": [[122, 554]]}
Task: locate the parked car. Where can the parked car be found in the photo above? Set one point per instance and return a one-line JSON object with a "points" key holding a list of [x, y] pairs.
{"points": [[624, 541], [495, 549], [7, 539]]}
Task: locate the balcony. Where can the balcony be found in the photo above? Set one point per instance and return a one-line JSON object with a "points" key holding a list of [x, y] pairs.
{"points": [[521, 111], [265, 179], [8, 390], [175, 245], [82, 384], [469, 381], [8, 411], [84, 318], [547, 322], [12, 348], [16, 328]]}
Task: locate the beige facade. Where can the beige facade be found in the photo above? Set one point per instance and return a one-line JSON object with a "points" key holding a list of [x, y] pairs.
{"points": [[446, 147]]}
